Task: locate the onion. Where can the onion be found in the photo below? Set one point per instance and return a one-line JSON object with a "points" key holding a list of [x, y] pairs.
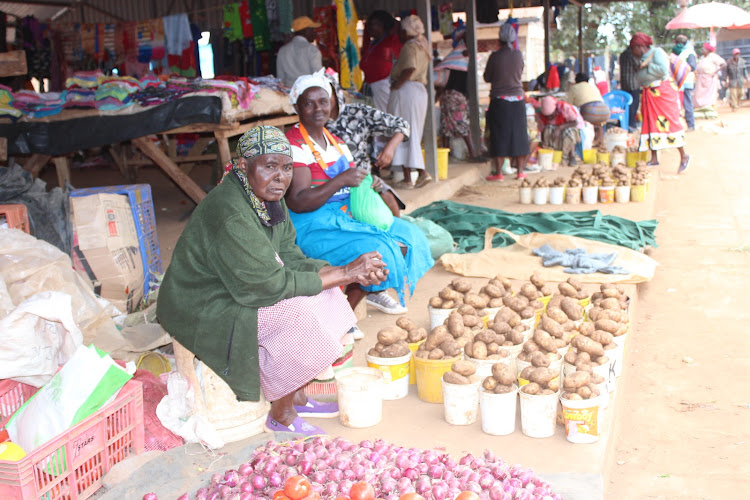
{"points": [[474, 477], [359, 471], [388, 484], [318, 477], [366, 444], [489, 456], [436, 471], [402, 461], [330, 490], [150, 496], [304, 467], [245, 496], [486, 481], [500, 473], [403, 485], [439, 491], [374, 456], [477, 463], [216, 479], [345, 487], [450, 464], [410, 473], [453, 483], [472, 486], [290, 460], [349, 474], [423, 485], [334, 475], [430, 457], [317, 488], [497, 492], [422, 468], [466, 459], [525, 477], [225, 491], [201, 494], [274, 480], [245, 469], [213, 495], [246, 486]]}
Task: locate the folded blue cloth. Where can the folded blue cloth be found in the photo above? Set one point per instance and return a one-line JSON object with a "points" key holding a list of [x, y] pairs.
{"points": [[577, 261]]}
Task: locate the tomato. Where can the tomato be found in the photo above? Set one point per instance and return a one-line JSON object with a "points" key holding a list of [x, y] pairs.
{"points": [[280, 495], [467, 495], [362, 491], [297, 487], [411, 496]]}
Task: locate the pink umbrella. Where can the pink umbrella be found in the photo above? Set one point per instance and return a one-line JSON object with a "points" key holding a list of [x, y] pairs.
{"points": [[710, 15]]}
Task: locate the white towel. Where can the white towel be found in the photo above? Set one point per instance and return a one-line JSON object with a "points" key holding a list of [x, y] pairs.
{"points": [[177, 33]]}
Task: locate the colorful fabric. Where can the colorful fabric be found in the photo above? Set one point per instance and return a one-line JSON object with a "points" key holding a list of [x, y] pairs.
{"points": [[379, 56], [563, 112], [456, 60], [318, 156], [327, 36], [445, 15], [454, 114], [246, 20], [177, 32], [232, 22], [286, 15], [641, 38], [261, 32], [350, 75], [654, 67], [660, 109], [679, 70]]}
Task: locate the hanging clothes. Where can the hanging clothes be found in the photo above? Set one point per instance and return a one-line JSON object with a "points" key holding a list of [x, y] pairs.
{"points": [[177, 33], [272, 14], [350, 75], [232, 22], [246, 20], [261, 32], [286, 16], [445, 14], [327, 37]]}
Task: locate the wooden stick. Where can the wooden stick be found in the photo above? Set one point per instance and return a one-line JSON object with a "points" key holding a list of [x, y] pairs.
{"points": [[187, 184]]}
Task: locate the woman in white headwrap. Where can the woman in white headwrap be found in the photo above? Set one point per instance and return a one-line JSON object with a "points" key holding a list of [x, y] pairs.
{"points": [[408, 98], [506, 117]]}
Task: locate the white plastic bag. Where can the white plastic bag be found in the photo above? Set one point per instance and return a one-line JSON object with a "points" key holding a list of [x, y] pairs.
{"points": [[38, 336]]}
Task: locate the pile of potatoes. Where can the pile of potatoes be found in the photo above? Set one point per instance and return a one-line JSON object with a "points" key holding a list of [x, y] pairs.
{"points": [[439, 344], [555, 330], [548, 347], [495, 290], [463, 324], [505, 330], [590, 346], [458, 293], [501, 381], [542, 287], [392, 343], [572, 288], [610, 291], [542, 381], [461, 373], [581, 385]]}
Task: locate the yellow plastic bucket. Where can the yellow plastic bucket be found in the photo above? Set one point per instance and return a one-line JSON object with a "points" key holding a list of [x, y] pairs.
{"points": [[545, 300], [430, 377], [413, 367], [602, 158], [545, 158], [442, 158], [638, 193], [395, 375], [644, 155], [557, 157], [589, 156], [633, 158], [585, 301]]}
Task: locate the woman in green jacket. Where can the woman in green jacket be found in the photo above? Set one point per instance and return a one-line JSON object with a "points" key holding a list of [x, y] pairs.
{"points": [[241, 296]]}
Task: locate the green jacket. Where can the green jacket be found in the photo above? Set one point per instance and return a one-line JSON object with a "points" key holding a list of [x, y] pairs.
{"points": [[224, 268]]}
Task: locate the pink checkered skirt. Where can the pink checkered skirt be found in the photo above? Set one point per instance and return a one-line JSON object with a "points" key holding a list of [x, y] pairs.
{"points": [[300, 337]]}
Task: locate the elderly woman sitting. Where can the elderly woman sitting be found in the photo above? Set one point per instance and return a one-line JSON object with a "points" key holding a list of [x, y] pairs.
{"points": [[559, 125], [243, 298], [319, 202]]}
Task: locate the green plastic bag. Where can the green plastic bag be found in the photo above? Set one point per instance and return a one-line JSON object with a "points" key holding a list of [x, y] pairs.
{"points": [[367, 206], [440, 240]]}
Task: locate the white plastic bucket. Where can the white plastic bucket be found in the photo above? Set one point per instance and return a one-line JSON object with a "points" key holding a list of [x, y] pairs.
{"points": [[520, 365], [484, 366], [541, 194], [618, 158], [617, 354], [538, 414], [603, 388], [529, 322], [582, 419], [461, 403], [524, 195], [611, 140], [556, 195], [498, 412], [395, 375], [438, 316], [606, 371], [590, 194], [360, 397], [622, 194], [545, 158]]}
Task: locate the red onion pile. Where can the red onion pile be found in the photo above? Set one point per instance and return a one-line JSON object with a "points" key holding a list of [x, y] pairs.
{"points": [[334, 465]]}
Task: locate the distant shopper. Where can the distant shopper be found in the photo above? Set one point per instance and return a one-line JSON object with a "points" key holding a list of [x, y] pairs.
{"points": [[586, 97], [299, 56], [683, 49], [560, 125], [629, 83], [506, 118], [707, 77], [736, 78], [380, 49], [660, 104]]}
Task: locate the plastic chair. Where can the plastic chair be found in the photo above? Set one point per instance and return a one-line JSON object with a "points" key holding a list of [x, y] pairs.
{"points": [[619, 103]]}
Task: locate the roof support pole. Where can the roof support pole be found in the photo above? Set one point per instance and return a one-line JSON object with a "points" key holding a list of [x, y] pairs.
{"points": [[545, 3], [472, 79], [580, 39], [429, 136]]}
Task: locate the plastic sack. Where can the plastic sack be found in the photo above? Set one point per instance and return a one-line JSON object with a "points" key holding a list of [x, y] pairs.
{"points": [[37, 336], [367, 206], [440, 240], [82, 386]]}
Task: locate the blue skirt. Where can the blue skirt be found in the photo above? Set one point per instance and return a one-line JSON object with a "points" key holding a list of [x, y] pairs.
{"points": [[332, 235]]}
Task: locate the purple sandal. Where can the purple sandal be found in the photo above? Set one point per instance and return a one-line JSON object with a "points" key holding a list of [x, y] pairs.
{"points": [[298, 426], [318, 409]]}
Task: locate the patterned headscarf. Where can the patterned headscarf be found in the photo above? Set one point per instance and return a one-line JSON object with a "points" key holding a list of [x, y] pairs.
{"points": [[507, 33], [260, 140]]}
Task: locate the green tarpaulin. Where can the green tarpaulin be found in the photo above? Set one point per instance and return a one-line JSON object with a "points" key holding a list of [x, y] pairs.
{"points": [[467, 224]]}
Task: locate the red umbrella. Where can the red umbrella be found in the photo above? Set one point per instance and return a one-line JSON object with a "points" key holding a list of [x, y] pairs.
{"points": [[710, 15]]}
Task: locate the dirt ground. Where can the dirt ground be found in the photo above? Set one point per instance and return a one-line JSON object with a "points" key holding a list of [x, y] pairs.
{"points": [[681, 422]]}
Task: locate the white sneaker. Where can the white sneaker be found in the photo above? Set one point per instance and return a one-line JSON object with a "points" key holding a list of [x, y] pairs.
{"points": [[532, 168], [385, 303], [356, 333]]}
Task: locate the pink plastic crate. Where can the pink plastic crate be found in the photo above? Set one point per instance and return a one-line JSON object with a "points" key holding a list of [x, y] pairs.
{"points": [[71, 466]]}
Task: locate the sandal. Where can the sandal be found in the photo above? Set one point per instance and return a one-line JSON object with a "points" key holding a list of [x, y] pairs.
{"points": [[404, 185], [423, 181], [684, 164], [495, 177]]}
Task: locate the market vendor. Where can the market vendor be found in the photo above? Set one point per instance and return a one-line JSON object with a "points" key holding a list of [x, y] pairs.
{"points": [[588, 99], [318, 200], [559, 125], [242, 297]]}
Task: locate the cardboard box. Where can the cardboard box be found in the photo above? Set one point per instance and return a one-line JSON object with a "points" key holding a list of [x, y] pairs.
{"points": [[106, 249], [13, 63]]}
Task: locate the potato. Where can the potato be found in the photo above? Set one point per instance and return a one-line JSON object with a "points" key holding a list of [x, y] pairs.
{"points": [[479, 350], [475, 301], [576, 379], [586, 329], [530, 291], [555, 301], [485, 298], [610, 292], [551, 326], [601, 360], [436, 353], [572, 308], [417, 335], [504, 374], [489, 384], [607, 325], [465, 368], [373, 352], [582, 366], [450, 348], [556, 314], [540, 336], [526, 372], [458, 302], [554, 384], [570, 357], [616, 316], [611, 303], [527, 312], [567, 290], [503, 389], [582, 295], [519, 303], [537, 280], [572, 396], [461, 285], [546, 392], [466, 309], [493, 291], [436, 302], [503, 353], [547, 290], [543, 375], [494, 303], [500, 327], [531, 388], [395, 351], [530, 346], [406, 324], [461, 341], [455, 323], [492, 348], [449, 304], [390, 335], [468, 347], [515, 337], [584, 391], [594, 391], [584, 356], [437, 336], [597, 379], [524, 356], [448, 294], [485, 336], [611, 346], [568, 326], [455, 378], [585, 344], [604, 338], [539, 360], [471, 321], [575, 283], [422, 354], [549, 346]]}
